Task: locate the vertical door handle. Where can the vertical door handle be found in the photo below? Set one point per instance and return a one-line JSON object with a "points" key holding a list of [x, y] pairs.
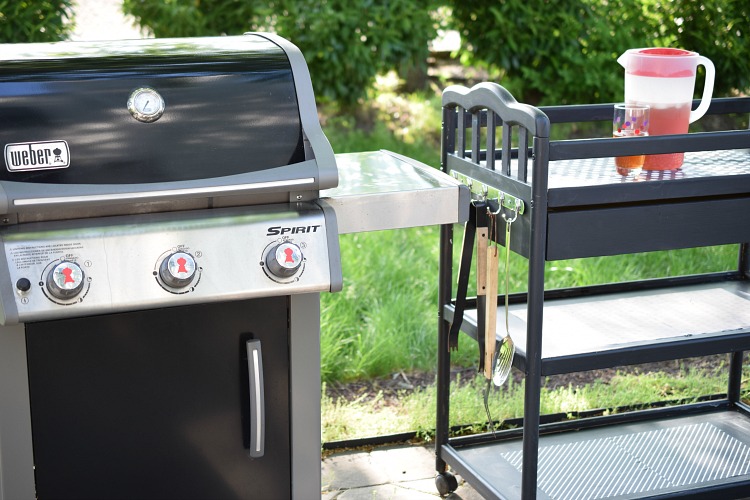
{"points": [[257, 398]]}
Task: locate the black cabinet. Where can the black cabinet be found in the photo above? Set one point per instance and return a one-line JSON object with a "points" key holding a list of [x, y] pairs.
{"points": [[156, 403]]}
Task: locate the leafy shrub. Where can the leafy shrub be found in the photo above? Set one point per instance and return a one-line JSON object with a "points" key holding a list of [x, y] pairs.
{"points": [[565, 51], [719, 30], [178, 18], [35, 20], [346, 43], [562, 51]]}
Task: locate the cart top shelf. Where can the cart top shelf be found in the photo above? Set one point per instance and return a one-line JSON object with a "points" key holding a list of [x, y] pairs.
{"points": [[594, 181]]}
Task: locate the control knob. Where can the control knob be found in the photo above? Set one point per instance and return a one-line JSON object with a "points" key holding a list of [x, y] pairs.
{"points": [[177, 270], [65, 280], [284, 260]]}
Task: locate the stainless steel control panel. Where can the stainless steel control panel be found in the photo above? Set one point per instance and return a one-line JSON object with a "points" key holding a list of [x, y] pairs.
{"points": [[80, 268]]}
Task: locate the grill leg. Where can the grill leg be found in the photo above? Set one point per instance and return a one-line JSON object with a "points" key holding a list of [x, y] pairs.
{"points": [[443, 354], [16, 453]]}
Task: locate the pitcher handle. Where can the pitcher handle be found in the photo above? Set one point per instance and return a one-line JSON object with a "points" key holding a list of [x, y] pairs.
{"points": [[708, 89]]}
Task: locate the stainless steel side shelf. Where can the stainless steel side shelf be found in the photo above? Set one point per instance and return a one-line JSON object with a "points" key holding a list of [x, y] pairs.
{"points": [[382, 190], [577, 206]]}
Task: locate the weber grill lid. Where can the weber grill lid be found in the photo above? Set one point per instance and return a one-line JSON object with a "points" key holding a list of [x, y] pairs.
{"points": [[153, 121]]}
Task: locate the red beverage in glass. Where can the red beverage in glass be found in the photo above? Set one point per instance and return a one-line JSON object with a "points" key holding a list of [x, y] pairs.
{"points": [[630, 120]]}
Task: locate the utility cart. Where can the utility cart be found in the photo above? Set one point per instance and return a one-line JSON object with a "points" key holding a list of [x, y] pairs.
{"points": [[564, 199]]}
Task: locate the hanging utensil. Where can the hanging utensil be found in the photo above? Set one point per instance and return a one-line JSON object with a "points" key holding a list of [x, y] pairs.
{"points": [[490, 303], [506, 350], [482, 235]]}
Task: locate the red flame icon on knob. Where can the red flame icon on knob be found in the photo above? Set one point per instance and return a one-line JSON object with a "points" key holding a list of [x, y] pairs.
{"points": [[181, 263], [289, 255], [67, 272]]}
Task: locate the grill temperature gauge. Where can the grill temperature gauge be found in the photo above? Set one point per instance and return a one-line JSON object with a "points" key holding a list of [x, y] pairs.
{"points": [[146, 105]]}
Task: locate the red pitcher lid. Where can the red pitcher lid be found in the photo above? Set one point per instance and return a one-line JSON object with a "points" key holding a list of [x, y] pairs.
{"points": [[661, 62], [665, 51]]}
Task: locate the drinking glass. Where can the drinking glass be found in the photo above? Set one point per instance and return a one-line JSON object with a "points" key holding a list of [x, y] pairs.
{"points": [[630, 120]]}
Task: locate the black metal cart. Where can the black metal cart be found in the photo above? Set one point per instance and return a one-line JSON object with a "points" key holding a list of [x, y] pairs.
{"points": [[576, 205]]}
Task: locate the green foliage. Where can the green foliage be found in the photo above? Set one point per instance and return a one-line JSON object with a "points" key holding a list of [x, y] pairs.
{"points": [[35, 20], [348, 43], [561, 52], [719, 30], [345, 43], [405, 124], [181, 18], [548, 51]]}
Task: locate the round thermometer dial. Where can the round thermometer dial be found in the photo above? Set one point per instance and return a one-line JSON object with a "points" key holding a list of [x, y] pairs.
{"points": [[146, 105]]}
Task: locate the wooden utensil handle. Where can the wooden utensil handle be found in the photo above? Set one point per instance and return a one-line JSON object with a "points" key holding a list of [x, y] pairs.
{"points": [[482, 261], [490, 332]]}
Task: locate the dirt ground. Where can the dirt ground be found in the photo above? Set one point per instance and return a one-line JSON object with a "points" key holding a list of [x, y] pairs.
{"points": [[393, 387]]}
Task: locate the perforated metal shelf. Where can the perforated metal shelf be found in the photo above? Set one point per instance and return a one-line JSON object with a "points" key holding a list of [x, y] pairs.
{"points": [[593, 181], [637, 460], [600, 171]]}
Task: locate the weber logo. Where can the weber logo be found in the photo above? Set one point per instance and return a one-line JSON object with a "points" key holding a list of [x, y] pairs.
{"points": [[22, 156]]}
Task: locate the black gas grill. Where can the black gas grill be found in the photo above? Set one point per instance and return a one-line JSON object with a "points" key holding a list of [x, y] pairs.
{"points": [[163, 251]]}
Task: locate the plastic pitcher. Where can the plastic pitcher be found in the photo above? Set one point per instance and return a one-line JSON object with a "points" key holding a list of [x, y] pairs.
{"points": [[664, 79]]}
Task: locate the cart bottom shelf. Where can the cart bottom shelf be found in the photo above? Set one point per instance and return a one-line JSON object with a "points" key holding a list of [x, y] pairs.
{"points": [[694, 455]]}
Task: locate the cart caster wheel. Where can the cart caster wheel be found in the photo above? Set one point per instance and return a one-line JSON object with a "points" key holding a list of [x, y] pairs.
{"points": [[446, 483]]}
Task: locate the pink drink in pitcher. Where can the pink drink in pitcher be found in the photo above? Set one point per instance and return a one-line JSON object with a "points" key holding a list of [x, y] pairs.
{"points": [[668, 120], [664, 79]]}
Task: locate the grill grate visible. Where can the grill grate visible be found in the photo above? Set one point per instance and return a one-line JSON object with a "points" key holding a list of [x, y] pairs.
{"points": [[641, 462]]}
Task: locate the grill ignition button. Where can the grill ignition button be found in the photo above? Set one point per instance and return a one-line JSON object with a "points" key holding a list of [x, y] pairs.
{"points": [[65, 280], [23, 285]]}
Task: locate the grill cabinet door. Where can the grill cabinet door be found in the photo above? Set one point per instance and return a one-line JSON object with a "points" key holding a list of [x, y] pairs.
{"points": [[154, 404]]}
